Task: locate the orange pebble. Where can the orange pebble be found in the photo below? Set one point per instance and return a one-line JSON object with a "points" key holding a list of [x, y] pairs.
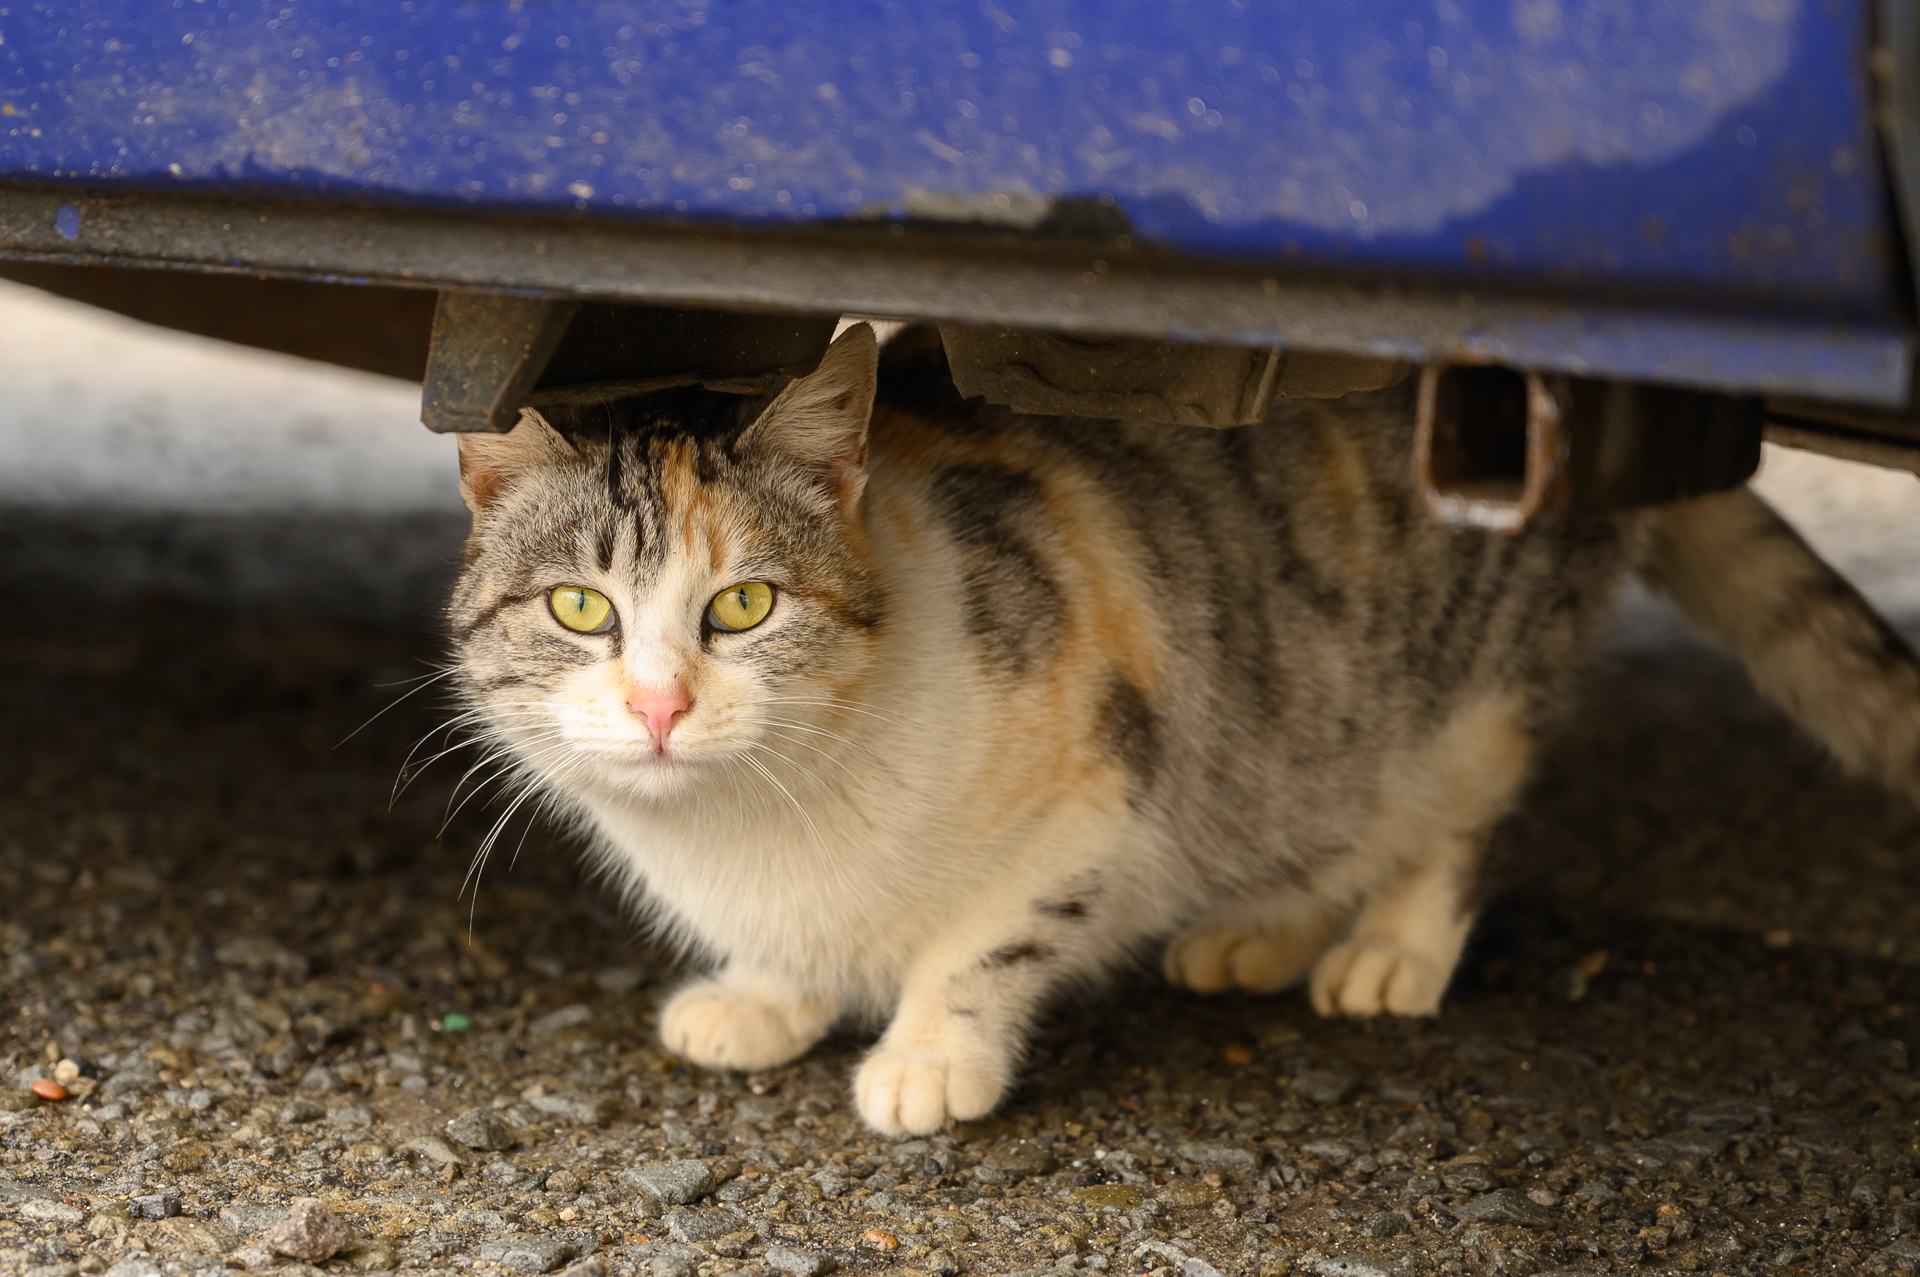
{"points": [[1235, 1053], [877, 1239], [48, 1089]]}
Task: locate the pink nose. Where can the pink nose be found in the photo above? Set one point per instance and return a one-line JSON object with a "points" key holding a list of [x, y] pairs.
{"points": [[658, 709]]}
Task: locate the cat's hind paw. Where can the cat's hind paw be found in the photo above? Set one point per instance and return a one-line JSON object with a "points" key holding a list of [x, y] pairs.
{"points": [[1214, 959], [909, 1091], [719, 1024], [1369, 977]]}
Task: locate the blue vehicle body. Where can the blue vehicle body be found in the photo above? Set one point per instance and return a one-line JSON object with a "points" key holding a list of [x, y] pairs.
{"points": [[1712, 157]]}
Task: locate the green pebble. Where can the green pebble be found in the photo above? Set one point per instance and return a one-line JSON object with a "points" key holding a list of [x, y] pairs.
{"points": [[456, 1023]]}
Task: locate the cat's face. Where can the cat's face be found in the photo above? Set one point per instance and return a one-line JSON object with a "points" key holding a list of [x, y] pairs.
{"points": [[685, 606]]}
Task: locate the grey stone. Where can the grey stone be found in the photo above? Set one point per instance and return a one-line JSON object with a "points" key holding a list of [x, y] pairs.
{"points": [[483, 1129], [1385, 1223], [1338, 1152], [309, 1231], [671, 1183], [1469, 1177], [164, 1204], [1226, 1157], [702, 1223], [565, 1018], [1197, 1267], [350, 1115], [1683, 1152], [255, 1257], [532, 1252], [1022, 1159], [1322, 1086], [1403, 1090], [800, 1263], [135, 1266], [294, 1112], [320, 1078], [1505, 1206], [52, 1211], [762, 1108], [589, 1111], [128, 1082], [676, 1261], [832, 1185], [1599, 1192], [1903, 1254], [1338, 1266], [591, 1266], [1730, 1115], [434, 1148], [619, 979], [502, 1173], [250, 1219], [261, 953]]}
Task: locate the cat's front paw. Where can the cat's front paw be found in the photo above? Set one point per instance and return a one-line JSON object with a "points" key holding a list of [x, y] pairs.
{"points": [[718, 1024], [1214, 959], [1368, 977], [916, 1090]]}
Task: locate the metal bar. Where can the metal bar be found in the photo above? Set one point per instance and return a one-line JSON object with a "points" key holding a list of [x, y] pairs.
{"points": [[985, 278], [488, 351]]}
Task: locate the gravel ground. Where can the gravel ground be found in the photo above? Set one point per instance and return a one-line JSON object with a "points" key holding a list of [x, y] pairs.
{"points": [[1681, 1039]]}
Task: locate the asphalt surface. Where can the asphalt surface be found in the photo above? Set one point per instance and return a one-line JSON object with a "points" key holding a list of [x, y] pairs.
{"points": [[1682, 1038]]}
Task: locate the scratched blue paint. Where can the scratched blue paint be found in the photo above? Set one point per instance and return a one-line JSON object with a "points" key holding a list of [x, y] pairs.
{"points": [[1711, 150], [66, 220]]}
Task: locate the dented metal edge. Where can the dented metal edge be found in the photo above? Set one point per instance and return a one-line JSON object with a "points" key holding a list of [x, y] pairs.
{"points": [[991, 277]]}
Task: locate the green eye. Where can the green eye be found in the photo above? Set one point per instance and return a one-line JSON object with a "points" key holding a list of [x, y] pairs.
{"points": [[740, 607], [581, 610]]}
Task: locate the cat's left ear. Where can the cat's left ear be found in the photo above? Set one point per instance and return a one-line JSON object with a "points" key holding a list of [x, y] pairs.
{"points": [[821, 419], [490, 464]]}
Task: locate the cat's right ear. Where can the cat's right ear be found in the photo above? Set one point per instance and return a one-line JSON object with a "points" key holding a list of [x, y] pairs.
{"points": [[490, 464]]}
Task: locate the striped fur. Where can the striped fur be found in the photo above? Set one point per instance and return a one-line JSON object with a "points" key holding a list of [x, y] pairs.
{"points": [[1036, 693]]}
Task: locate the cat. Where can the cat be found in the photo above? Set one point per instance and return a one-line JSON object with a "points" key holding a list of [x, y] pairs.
{"points": [[907, 709]]}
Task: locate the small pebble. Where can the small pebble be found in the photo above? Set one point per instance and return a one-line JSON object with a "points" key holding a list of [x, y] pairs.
{"points": [[66, 1071], [310, 1231], [48, 1089], [455, 1023], [879, 1239]]}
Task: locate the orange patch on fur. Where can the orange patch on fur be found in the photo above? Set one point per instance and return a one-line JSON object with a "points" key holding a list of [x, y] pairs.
{"points": [[1050, 750]]}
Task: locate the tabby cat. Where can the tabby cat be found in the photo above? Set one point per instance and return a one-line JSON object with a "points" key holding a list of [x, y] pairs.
{"points": [[903, 708]]}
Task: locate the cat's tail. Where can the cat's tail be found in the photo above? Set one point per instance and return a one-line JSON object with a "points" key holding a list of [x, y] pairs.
{"points": [[1811, 643]]}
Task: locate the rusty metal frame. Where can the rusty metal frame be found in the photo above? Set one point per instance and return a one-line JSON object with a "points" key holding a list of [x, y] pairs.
{"points": [[982, 275], [1591, 447]]}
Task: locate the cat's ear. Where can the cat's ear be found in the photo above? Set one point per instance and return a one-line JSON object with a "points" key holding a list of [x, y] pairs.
{"points": [[490, 464], [821, 419]]}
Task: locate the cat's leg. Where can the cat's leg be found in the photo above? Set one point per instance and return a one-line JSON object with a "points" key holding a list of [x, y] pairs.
{"points": [[970, 995], [1406, 941], [743, 1020], [1400, 954], [1260, 947]]}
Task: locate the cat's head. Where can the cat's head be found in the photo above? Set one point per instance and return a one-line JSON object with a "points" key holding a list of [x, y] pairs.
{"points": [[678, 597]]}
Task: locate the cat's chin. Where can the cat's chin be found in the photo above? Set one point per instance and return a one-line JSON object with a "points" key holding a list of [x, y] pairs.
{"points": [[652, 775]]}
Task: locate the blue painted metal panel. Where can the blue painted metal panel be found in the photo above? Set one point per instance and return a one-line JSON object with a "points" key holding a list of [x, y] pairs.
{"points": [[1717, 149]]}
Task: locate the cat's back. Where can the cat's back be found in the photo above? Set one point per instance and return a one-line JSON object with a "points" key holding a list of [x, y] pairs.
{"points": [[1278, 576]]}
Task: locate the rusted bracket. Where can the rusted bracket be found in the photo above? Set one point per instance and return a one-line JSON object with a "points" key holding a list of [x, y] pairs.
{"points": [[487, 353], [1504, 450], [1130, 379], [494, 354]]}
